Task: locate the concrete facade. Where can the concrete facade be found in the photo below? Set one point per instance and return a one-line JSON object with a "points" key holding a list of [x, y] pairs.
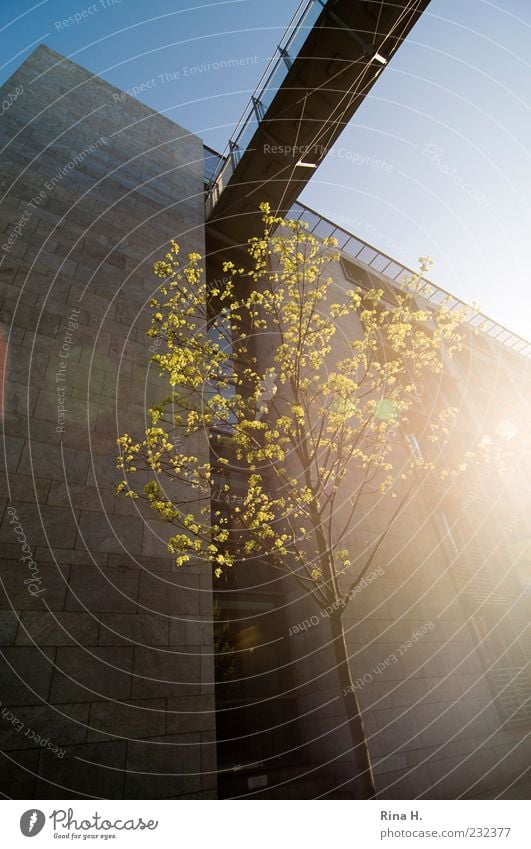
{"points": [[438, 640], [108, 653], [447, 712]]}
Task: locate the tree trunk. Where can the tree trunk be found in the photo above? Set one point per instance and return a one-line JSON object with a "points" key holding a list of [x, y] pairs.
{"points": [[365, 778]]}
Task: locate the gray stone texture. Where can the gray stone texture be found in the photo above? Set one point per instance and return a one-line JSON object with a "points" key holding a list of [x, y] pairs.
{"points": [[98, 659]]}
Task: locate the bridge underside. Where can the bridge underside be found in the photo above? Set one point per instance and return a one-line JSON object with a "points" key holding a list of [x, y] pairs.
{"points": [[343, 54]]}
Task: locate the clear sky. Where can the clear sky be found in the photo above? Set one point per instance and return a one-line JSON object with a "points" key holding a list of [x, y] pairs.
{"points": [[436, 161]]}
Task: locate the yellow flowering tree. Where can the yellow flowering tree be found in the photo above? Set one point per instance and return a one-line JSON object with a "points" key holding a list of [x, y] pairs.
{"points": [[313, 386]]}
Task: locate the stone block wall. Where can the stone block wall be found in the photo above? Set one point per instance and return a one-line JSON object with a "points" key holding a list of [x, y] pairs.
{"points": [[106, 673]]}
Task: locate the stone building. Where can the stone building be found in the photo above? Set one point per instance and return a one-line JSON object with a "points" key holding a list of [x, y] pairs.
{"points": [[110, 655], [108, 675]]}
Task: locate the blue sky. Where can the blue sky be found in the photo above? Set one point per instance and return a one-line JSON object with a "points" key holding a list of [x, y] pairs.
{"points": [[436, 161]]}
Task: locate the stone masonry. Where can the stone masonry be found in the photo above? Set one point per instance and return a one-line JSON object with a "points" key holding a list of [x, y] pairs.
{"points": [[107, 673]]}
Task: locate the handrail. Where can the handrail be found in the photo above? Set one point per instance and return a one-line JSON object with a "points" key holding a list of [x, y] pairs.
{"points": [[381, 262], [230, 155]]}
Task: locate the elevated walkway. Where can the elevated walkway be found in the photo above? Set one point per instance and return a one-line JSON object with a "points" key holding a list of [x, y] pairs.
{"points": [[331, 55]]}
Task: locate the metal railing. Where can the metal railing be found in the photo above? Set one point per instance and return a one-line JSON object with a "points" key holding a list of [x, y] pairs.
{"points": [[294, 37], [213, 162], [384, 264], [512, 686]]}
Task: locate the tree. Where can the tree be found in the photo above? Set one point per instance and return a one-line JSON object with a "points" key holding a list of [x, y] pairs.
{"points": [[314, 386]]}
